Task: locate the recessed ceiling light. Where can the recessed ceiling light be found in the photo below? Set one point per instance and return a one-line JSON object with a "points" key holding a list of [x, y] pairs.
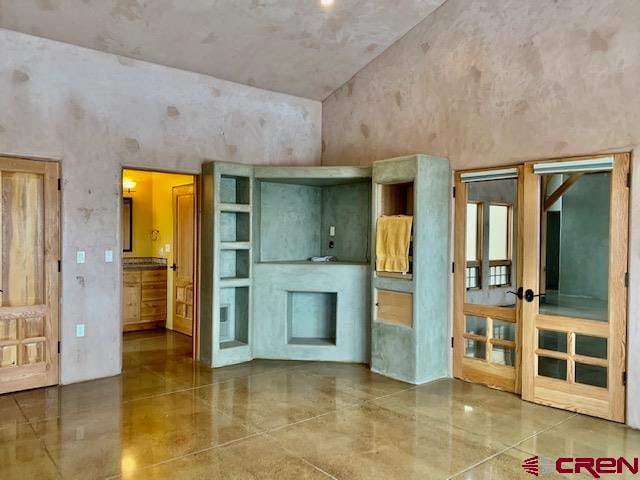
{"points": [[327, 3]]}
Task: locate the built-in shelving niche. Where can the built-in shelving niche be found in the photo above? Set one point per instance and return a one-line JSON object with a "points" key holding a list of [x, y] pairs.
{"points": [[235, 226], [311, 318], [234, 317], [397, 199], [296, 216], [235, 189], [234, 264]]}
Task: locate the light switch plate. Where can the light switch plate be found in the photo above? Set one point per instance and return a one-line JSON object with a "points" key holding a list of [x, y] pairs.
{"points": [[108, 256], [167, 247], [332, 231], [80, 256], [80, 330]]}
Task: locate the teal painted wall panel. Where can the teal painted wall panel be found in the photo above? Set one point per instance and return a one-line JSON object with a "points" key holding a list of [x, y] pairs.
{"points": [[348, 209], [289, 221], [272, 284], [421, 353]]}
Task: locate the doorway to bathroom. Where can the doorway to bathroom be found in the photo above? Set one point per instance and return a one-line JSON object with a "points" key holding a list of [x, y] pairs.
{"points": [[159, 227]]}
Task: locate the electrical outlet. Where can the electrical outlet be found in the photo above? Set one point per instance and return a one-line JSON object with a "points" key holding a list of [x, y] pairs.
{"points": [[80, 256], [80, 330], [108, 256]]}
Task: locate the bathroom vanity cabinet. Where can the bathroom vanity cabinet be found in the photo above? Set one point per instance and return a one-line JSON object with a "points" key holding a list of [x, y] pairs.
{"points": [[144, 296]]}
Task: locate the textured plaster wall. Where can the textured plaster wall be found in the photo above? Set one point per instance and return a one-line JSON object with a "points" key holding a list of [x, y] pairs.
{"points": [[493, 82], [291, 46], [98, 112]]}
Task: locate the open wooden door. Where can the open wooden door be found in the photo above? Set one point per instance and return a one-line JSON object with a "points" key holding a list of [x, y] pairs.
{"points": [[29, 246], [183, 267], [574, 273], [487, 273]]}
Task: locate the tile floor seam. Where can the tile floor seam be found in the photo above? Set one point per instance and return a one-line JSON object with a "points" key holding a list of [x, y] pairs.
{"points": [[26, 419], [40, 440], [335, 410], [190, 454], [186, 389], [511, 447], [544, 430], [302, 459]]}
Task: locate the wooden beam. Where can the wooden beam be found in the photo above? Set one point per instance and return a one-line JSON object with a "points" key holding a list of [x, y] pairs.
{"points": [[566, 185]]}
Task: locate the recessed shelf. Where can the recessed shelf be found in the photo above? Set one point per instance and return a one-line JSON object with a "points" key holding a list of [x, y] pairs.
{"points": [[400, 276], [235, 282], [235, 245], [234, 264], [297, 220], [235, 207], [235, 189], [311, 318], [234, 316], [232, 344], [235, 227], [313, 342]]}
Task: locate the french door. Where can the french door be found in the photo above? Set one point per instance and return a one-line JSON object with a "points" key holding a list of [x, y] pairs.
{"points": [[574, 306], [487, 276], [540, 272], [29, 246]]}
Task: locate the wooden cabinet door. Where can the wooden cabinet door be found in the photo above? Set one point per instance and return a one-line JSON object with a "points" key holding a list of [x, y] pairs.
{"points": [[29, 254], [131, 302], [183, 255]]}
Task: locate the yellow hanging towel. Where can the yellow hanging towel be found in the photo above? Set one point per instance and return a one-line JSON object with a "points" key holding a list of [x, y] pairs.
{"points": [[393, 237]]}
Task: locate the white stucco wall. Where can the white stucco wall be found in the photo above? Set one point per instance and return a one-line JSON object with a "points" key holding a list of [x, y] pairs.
{"points": [[491, 82], [97, 112]]}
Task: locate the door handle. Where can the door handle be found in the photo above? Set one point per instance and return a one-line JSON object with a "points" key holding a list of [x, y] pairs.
{"points": [[517, 294], [529, 295], [173, 267]]}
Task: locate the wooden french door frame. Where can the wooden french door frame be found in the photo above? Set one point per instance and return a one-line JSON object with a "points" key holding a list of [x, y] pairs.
{"points": [[29, 330], [607, 402], [472, 369]]}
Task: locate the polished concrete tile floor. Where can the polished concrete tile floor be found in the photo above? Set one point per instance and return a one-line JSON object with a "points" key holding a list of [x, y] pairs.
{"points": [[165, 417]]}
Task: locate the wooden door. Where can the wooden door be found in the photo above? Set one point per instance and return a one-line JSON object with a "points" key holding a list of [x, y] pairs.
{"points": [[183, 255], [486, 280], [29, 246], [574, 308]]}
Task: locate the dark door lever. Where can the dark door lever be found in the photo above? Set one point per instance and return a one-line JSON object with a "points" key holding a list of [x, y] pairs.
{"points": [[173, 267], [517, 294], [529, 295]]}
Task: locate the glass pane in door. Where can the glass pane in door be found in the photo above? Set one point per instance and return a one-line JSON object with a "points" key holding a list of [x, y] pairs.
{"points": [[490, 242], [575, 245]]}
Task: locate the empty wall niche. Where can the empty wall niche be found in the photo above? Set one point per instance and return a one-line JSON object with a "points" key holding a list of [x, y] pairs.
{"points": [[234, 317], [234, 264], [303, 218], [396, 199], [235, 227], [235, 190], [311, 318]]}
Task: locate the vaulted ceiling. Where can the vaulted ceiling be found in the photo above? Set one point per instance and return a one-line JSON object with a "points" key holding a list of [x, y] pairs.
{"points": [[297, 47]]}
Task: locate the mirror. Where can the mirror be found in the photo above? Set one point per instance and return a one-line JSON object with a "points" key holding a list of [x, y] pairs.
{"points": [[127, 224]]}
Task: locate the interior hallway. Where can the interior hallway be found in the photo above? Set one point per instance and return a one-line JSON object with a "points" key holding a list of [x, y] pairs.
{"points": [[165, 417]]}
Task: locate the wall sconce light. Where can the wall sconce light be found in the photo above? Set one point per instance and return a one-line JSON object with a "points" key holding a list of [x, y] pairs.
{"points": [[128, 185], [327, 3]]}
